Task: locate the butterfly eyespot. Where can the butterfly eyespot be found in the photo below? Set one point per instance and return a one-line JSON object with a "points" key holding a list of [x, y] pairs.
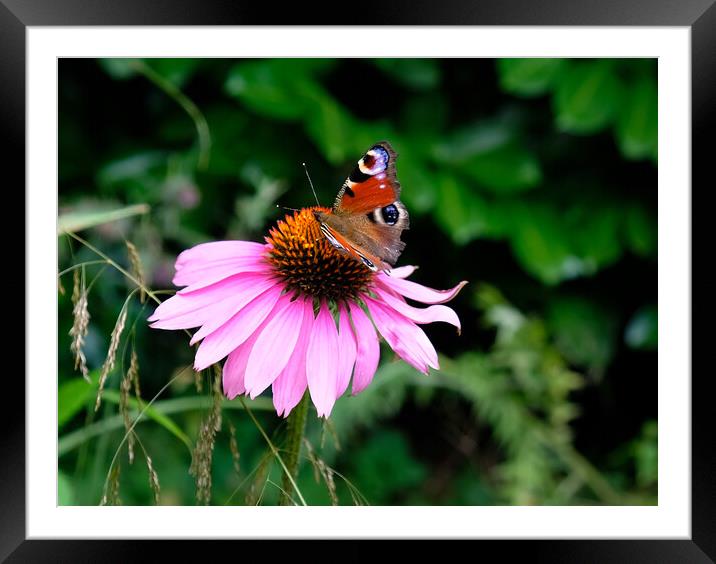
{"points": [[373, 162], [390, 214], [380, 153]]}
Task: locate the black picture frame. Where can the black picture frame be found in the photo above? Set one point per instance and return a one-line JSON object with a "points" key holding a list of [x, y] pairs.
{"points": [[698, 15]]}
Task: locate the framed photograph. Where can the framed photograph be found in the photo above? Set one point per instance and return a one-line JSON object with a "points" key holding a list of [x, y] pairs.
{"points": [[428, 279]]}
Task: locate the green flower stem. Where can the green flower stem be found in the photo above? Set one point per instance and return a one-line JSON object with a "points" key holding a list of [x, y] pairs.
{"points": [[171, 90], [296, 426]]}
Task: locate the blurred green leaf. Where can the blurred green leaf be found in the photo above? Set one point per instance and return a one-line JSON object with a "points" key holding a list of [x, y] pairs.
{"points": [[258, 87], [65, 489], [136, 167], [487, 151], [275, 87], [420, 74], [507, 169], [471, 489], [462, 212], [176, 70], [384, 465], [542, 244], [641, 230], [595, 236], [642, 330], [472, 140], [151, 412], [72, 222], [587, 97], [417, 178], [529, 77], [423, 118], [636, 128], [585, 332], [646, 454], [73, 395], [332, 130], [556, 243], [120, 69]]}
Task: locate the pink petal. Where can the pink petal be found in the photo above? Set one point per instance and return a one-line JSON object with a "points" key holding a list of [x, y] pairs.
{"points": [[407, 339], [235, 365], [368, 349], [417, 291], [235, 331], [260, 273], [217, 251], [201, 275], [401, 271], [199, 314], [274, 346], [179, 305], [427, 315], [233, 373], [346, 351], [234, 304], [214, 304], [288, 388], [322, 362]]}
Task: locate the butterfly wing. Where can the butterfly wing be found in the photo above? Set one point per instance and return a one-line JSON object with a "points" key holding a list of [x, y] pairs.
{"points": [[368, 218], [342, 244], [375, 245], [371, 184]]}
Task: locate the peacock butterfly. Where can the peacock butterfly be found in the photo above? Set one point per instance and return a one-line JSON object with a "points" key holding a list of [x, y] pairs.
{"points": [[368, 218]]}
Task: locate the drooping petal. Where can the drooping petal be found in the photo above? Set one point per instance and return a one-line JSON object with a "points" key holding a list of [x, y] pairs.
{"points": [[250, 266], [368, 349], [322, 362], [407, 339], [274, 346], [418, 315], [202, 275], [289, 386], [402, 271], [418, 292], [233, 373], [346, 351], [236, 330]]}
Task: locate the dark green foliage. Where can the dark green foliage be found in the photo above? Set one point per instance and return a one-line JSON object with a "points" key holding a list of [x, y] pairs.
{"points": [[533, 179]]}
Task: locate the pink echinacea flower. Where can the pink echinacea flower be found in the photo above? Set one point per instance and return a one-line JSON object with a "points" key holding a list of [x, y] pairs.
{"points": [[271, 310]]}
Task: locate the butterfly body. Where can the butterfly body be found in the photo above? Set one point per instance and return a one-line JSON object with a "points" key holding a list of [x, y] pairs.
{"points": [[368, 217]]}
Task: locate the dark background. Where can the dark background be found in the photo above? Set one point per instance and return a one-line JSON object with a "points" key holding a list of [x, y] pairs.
{"points": [[533, 179]]}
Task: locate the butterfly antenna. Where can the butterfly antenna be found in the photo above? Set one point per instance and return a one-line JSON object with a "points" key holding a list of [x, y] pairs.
{"points": [[289, 209], [311, 183]]}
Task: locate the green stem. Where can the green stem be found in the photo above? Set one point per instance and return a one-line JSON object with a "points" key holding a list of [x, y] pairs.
{"points": [[202, 128], [274, 450], [296, 426]]}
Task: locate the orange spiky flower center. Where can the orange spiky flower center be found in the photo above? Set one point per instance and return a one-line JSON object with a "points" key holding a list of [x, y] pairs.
{"points": [[309, 264]]}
